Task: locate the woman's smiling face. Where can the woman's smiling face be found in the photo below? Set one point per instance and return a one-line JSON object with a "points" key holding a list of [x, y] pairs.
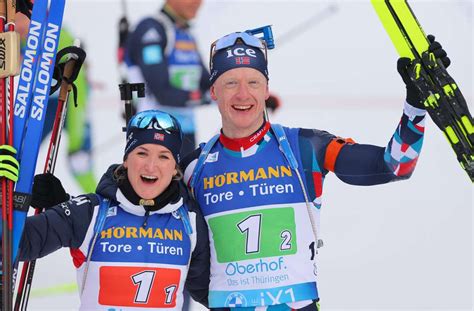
{"points": [[150, 169]]}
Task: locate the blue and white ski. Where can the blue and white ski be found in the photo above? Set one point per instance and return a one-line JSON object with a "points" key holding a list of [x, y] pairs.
{"points": [[22, 101], [30, 144], [31, 102], [28, 71], [30, 108]]}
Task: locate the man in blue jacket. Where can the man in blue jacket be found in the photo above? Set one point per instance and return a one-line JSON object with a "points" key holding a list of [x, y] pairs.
{"points": [[260, 185]]}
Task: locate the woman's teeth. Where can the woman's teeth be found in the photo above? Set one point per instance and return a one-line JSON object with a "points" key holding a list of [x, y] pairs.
{"points": [[149, 178]]}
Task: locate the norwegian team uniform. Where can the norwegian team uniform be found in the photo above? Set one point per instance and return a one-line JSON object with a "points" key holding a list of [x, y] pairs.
{"points": [[261, 234], [139, 261], [165, 56]]}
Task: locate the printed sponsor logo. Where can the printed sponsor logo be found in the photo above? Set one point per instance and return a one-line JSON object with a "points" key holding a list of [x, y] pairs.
{"points": [[130, 136], [155, 125], [213, 74], [44, 76], [141, 232], [3, 54], [66, 209], [175, 214], [112, 211], [260, 266], [131, 145], [257, 135], [212, 157], [235, 300], [246, 176], [241, 52], [79, 200], [151, 36], [26, 74]]}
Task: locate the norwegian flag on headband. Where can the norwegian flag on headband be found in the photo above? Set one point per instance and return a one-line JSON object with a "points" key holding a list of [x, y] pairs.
{"points": [[242, 60], [159, 136]]}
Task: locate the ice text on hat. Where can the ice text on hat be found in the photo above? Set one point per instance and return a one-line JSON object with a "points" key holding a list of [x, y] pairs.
{"points": [[240, 51]]}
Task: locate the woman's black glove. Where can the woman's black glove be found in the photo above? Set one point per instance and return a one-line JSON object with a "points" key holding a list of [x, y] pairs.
{"points": [[47, 191], [25, 7], [404, 66]]}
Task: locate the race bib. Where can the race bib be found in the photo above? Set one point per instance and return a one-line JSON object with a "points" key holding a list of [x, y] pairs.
{"points": [[138, 286], [254, 234]]}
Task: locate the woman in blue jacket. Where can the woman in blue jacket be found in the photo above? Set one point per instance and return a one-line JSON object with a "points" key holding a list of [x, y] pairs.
{"points": [[140, 239]]}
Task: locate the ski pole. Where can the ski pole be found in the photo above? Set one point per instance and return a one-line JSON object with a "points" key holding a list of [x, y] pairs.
{"points": [[441, 95], [7, 291], [71, 69], [9, 58]]}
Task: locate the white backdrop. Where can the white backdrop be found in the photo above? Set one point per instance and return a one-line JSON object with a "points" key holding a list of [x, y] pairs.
{"points": [[401, 246]]}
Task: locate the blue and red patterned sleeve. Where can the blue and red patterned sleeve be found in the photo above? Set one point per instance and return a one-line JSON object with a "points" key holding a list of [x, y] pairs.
{"points": [[403, 150], [361, 164]]}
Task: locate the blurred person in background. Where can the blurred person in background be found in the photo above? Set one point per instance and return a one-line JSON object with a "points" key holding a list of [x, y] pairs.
{"points": [[163, 53]]}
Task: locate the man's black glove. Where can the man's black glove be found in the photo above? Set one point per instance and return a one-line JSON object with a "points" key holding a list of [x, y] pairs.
{"points": [[47, 191], [404, 66], [272, 103]]}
